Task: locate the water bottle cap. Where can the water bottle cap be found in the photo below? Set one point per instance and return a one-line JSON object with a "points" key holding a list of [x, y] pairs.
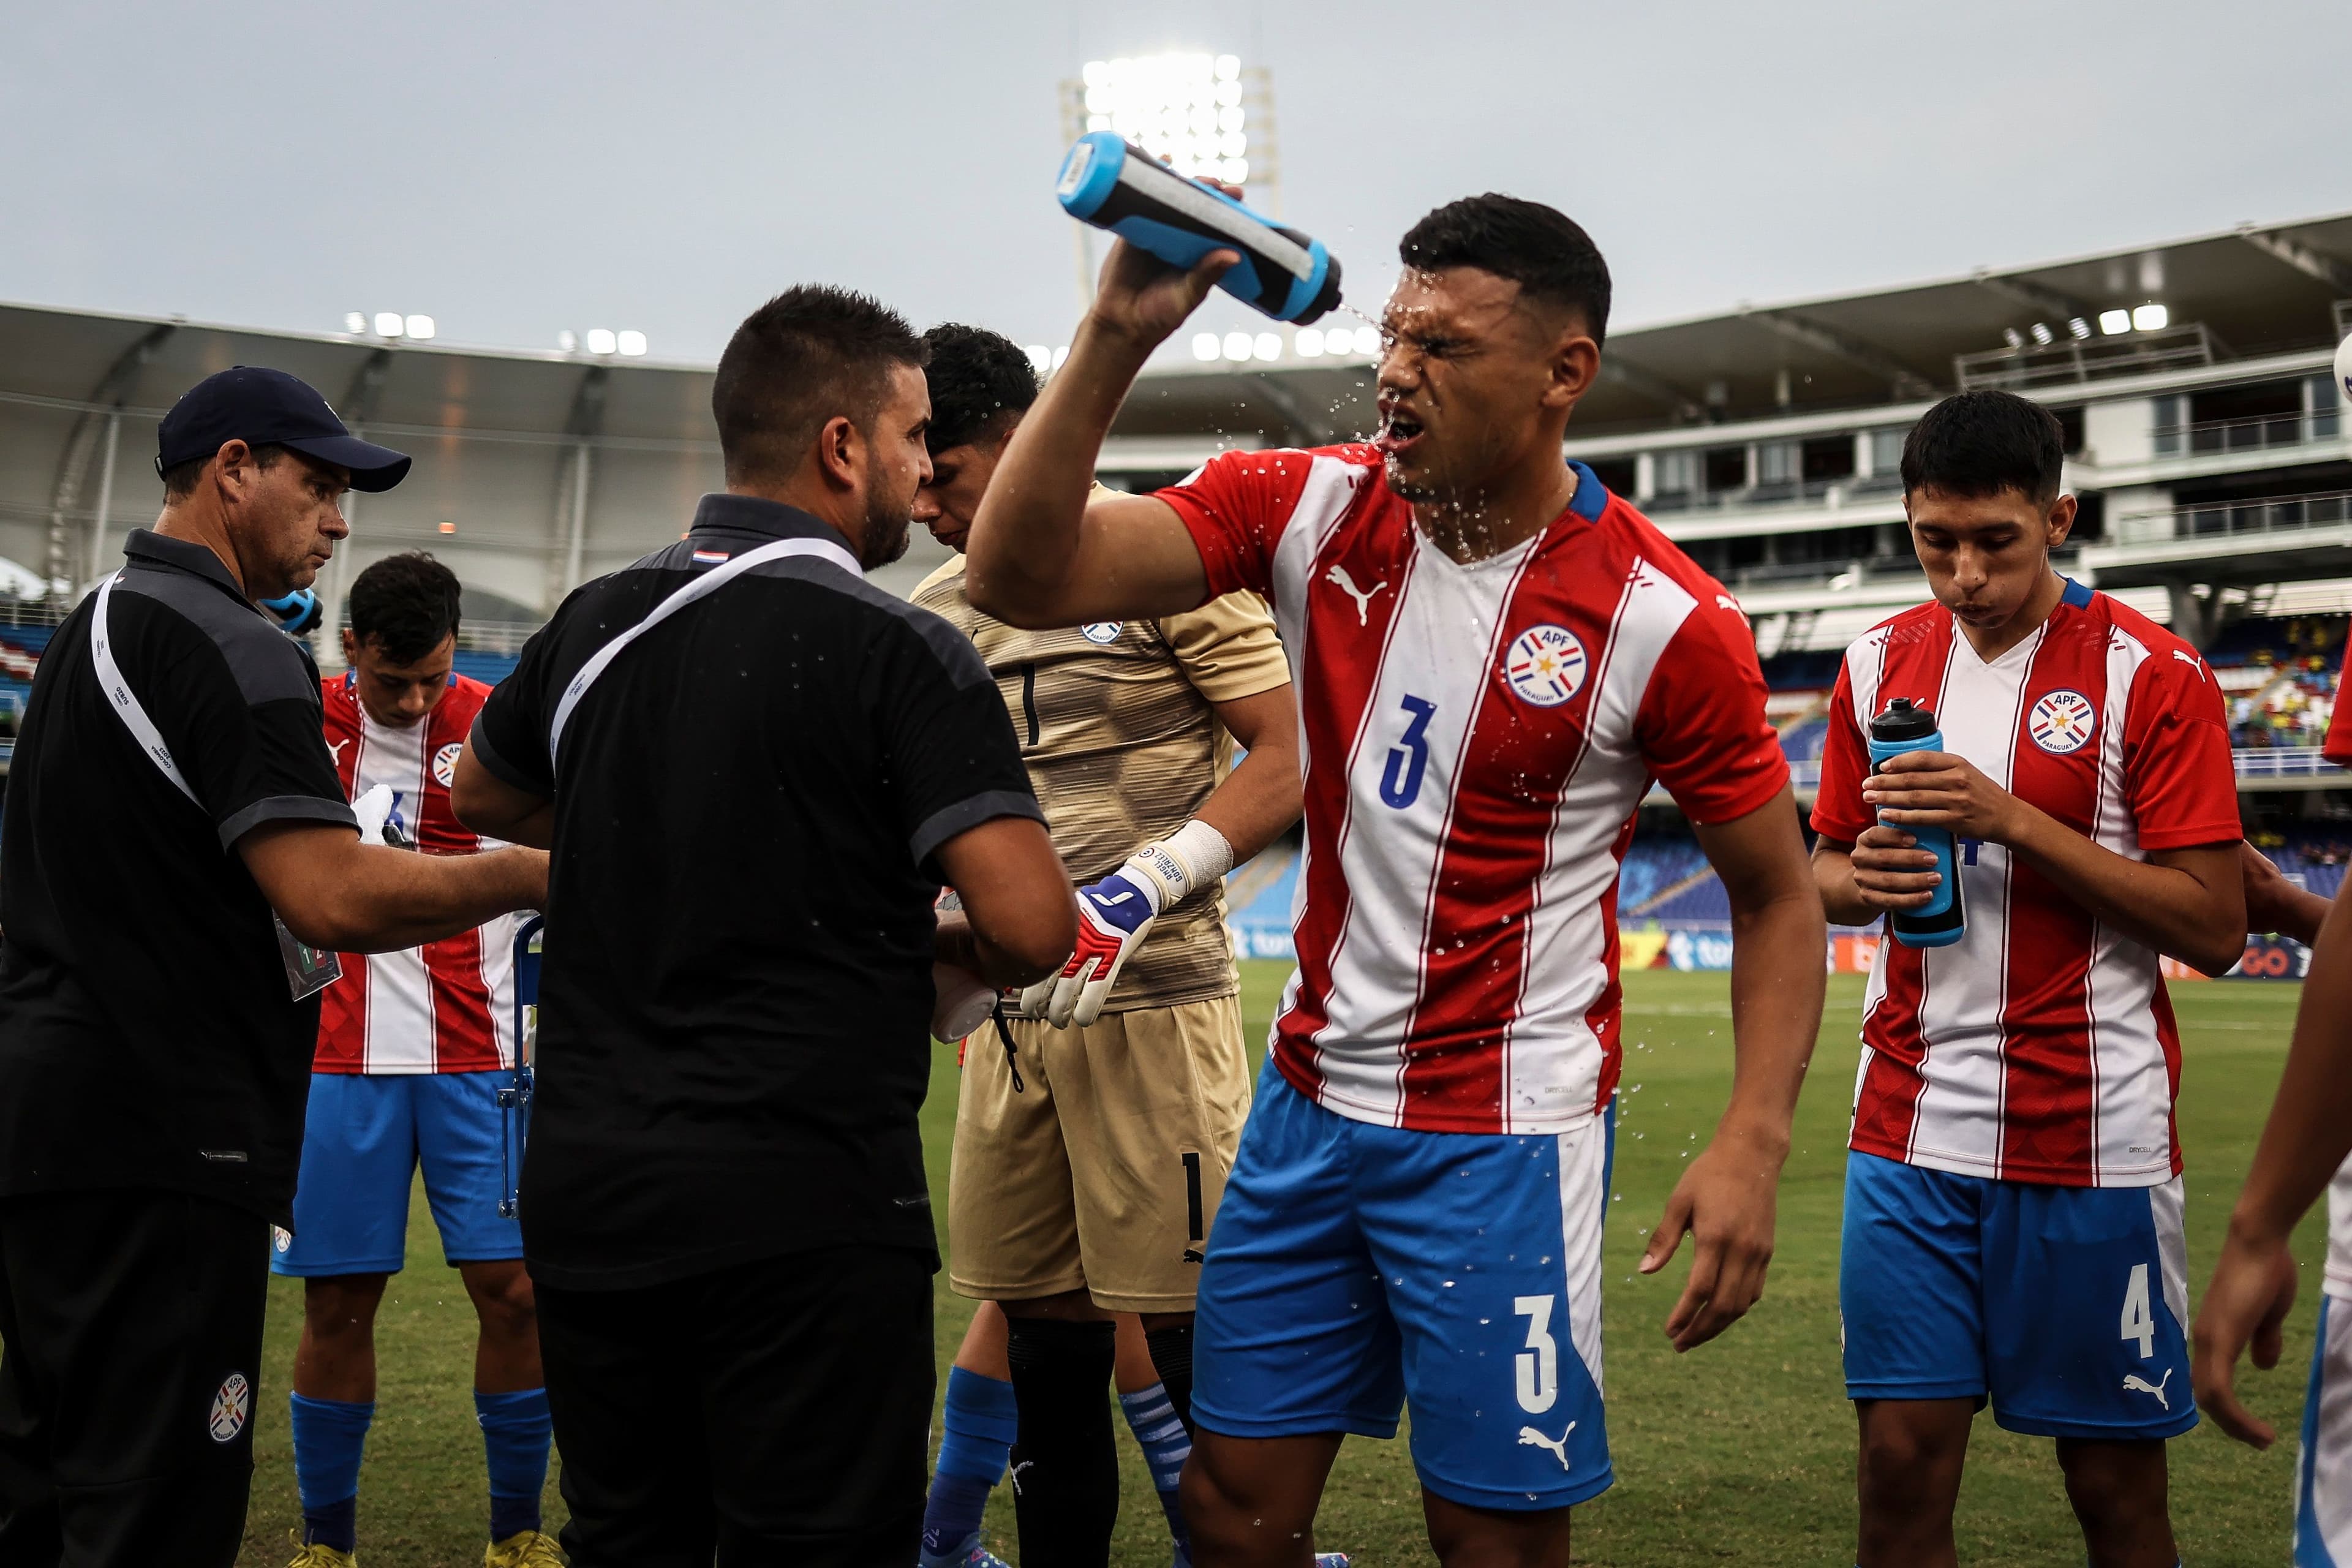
{"points": [[1902, 721]]}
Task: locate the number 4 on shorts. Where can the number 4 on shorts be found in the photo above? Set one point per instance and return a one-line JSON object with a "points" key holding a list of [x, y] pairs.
{"points": [[2139, 1322]]}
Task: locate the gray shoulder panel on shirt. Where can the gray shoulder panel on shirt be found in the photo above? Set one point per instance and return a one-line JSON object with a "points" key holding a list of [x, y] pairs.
{"points": [[265, 661], [954, 651]]}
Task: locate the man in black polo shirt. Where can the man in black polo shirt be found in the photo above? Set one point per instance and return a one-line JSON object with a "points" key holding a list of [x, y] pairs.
{"points": [[170, 790], [756, 771]]}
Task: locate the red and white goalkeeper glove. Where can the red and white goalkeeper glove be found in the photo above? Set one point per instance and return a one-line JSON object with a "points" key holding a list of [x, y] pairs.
{"points": [[1116, 914]]}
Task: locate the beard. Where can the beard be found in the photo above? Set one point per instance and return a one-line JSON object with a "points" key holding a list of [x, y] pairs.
{"points": [[882, 537]]}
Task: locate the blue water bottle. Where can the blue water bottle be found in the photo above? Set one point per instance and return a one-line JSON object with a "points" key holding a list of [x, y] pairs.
{"points": [[1110, 185], [1940, 921]]}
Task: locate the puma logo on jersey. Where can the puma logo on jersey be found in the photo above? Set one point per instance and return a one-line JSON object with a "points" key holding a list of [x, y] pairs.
{"points": [[1531, 1439], [2134, 1384], [1016, 1475], [335, 749], [1338, 578], [2190, 659]]}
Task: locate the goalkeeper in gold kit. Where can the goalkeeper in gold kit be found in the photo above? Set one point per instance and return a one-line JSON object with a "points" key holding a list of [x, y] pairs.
{"points": [[1089, 1159]]}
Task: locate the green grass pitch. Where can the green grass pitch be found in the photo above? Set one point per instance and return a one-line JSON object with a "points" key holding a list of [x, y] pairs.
{"points": [[1740, 1452]]}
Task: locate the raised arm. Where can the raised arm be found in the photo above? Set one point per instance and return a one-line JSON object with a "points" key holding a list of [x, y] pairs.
{"points": [[335, 892], [1040, 554], [1725, 1200]]}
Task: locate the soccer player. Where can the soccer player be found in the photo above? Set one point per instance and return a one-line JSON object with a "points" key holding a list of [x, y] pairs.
{"points": [[1495, 658], [414, 1049], [1089, 1163], [2014, 1195], [2305, 1141]]}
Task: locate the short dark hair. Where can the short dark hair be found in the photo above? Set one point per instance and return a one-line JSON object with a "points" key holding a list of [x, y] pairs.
{"points": [[809, 353], [1542, 249], [405, 604], [1978, 444], [180, 479], [977, 377]]}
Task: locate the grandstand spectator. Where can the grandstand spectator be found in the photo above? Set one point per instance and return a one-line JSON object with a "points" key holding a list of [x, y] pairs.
{"points": [[2014, 1189], [414, 1049], [1090, 1189], [756, 769], [170, 791]]}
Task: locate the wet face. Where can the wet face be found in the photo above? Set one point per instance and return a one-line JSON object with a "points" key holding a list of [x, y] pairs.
{"points": [[394, 693], [1985, 556], [897, 465], [1473, 379], [285, 519], [960, 475]]}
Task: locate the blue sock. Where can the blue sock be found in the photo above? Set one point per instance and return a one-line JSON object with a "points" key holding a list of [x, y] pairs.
{"points": [[515, 1431], [1151, 1416], [330, 1434], [981, 1423]]}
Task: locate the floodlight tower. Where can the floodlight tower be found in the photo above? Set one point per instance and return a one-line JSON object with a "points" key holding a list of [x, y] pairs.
{"points": [[1209, 115]]}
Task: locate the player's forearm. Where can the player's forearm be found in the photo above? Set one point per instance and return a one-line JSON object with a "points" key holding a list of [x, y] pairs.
{"points": [[2300, 913], [2159, 906], [1257, 802], [1777, 986], [2310, 1128], [1841, 898], [1024, 538]]}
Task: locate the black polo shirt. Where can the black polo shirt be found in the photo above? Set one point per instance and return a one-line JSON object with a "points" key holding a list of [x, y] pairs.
{"points": [[735, 1000], [148, 1036]]}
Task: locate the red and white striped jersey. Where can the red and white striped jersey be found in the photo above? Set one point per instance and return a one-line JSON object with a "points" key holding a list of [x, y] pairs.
{"points": [[447, 1007], [2040, 1046], [1476, 739]]}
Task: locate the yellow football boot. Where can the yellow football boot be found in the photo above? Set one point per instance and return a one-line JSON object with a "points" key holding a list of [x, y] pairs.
{"points": [[525, 1549], [315, 1555]]}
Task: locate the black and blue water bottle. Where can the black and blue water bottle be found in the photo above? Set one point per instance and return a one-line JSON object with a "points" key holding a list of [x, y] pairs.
{"points": [[1111, 184], [1940, 921]]}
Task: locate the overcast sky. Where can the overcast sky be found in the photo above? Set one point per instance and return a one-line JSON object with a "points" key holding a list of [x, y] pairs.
{"points": [[519, 169]]}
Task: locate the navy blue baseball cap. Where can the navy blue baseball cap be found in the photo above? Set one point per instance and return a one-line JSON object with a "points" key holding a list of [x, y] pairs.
{"points": [[271, 409]]}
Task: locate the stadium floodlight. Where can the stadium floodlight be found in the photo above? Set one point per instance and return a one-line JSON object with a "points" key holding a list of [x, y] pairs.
{"points": [[1185, 108], [2077, 327], [2151, 318], [1237, 347], [356, 321], [1205, 346], [1308, 343], [2043, 336], [602, 340], [1266, 345], [1040, 356], [1061, 353], [631, 345], [568, 342], [417, 327], [389, 325], [2114, 321]]}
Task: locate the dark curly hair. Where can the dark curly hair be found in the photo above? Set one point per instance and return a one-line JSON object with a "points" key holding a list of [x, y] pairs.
{"points": [[977, 377], [1542, 249], [405, 604]]}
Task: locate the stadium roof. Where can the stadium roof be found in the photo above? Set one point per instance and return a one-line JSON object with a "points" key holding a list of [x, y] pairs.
{"points": [[2254, 289]]}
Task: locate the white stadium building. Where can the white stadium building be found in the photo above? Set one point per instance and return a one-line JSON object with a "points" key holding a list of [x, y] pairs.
{"points": [[2206, 436]]}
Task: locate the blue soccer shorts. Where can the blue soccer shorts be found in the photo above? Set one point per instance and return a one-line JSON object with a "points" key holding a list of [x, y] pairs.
{"points": [[1355, 1269], [2067, 1307], [365, 1140], [2323, 1471]]}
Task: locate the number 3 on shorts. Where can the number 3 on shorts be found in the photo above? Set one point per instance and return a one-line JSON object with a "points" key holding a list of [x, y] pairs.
{"points": [[2138, 1323], [1538, 1364]]}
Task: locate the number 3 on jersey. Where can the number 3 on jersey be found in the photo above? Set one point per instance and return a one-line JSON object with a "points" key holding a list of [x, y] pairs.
{"points": [[1537, 1365], [1409, 758]]}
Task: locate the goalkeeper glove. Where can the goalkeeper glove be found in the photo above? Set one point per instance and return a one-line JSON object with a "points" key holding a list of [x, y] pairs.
{"points": [[1117, 913]]}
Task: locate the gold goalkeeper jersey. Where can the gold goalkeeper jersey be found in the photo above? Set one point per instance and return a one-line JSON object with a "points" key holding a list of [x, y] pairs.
{"points": [[1122, 744]]}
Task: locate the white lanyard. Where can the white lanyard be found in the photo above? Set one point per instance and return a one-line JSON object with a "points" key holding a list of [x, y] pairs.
{"points": [[710, 581], [126, 702]]}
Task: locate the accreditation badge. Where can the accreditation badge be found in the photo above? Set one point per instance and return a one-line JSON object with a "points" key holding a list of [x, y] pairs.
{"points": [[309, 970]]}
